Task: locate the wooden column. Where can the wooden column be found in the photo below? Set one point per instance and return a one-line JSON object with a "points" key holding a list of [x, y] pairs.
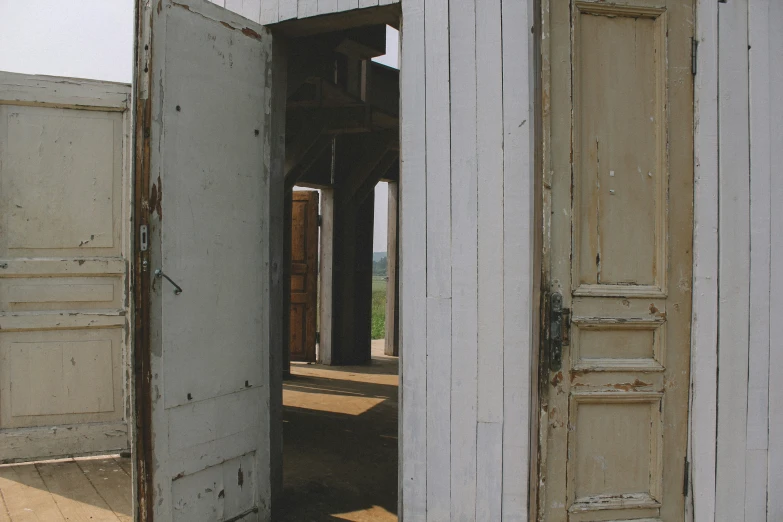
{"points": [[352, 282], [325, 270], [392, 346]]}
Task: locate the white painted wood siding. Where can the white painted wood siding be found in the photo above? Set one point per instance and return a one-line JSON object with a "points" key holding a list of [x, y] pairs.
{"points": [[737, 417], [268, 12], [466, 230]]}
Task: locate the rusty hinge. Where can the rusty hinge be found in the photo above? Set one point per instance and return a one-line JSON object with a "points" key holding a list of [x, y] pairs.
{"points": [[694, 54], [686, 478], [559, 327]]}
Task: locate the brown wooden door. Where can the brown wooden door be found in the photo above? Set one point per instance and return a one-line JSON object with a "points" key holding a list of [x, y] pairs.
{"points": [[304, 275], [618, 198]]}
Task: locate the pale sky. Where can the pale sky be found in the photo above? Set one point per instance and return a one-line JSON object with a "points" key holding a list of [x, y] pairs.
{"points": [[94, 39]]}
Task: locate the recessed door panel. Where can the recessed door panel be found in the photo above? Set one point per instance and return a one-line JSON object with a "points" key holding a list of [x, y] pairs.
{"points": [[64, 238], [304, 275], [619, 193], [208, 212]]}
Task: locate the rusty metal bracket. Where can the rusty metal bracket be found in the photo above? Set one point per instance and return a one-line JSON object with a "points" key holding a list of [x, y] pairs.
{"points": [[559, 323]]}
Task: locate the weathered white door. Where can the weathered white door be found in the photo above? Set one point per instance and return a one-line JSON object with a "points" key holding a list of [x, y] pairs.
{"points": [[64, 229], [204, 111], [619, 162]]}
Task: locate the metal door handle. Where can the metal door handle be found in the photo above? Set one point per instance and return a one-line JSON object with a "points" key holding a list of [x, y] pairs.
{"points": [[159, 273]]}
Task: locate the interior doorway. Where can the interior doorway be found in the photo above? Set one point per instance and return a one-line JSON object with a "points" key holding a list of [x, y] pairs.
{"points": [[340, 395]]}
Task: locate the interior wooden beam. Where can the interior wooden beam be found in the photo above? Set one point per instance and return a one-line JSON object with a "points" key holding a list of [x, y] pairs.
{"points": [[300, 168], [384, 15], [375, 175], [367, 152]]}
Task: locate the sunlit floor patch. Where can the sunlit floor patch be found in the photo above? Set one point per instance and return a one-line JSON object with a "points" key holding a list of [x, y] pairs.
{"points": [[340, 442]]}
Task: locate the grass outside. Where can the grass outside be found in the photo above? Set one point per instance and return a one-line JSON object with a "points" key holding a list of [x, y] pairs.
{"points": [[378, 307]]}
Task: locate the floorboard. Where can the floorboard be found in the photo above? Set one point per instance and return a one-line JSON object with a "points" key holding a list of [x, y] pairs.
{"points": [[112, 484], [73, 492], [25, 495]]}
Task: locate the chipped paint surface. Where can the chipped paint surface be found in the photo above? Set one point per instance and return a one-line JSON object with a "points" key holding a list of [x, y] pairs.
{"points": [[208, 427], [64, 242]]}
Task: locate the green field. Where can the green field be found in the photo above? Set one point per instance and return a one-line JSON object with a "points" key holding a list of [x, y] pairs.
{"points": [[378, 307]]}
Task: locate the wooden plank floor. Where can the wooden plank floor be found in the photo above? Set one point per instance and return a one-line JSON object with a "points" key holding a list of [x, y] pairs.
{"points": [[94, 489]]}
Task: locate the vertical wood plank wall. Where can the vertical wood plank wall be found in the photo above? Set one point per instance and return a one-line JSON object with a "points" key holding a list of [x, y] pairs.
{"points": [[273, 11], [737, 415], [466, 237]]}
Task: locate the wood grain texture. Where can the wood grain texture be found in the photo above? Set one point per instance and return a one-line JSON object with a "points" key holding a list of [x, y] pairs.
{"points": [[201, 390], [25, 495], [464, 258], [75, 495], [112, 484], [287, 9], [439, 409], [757, 430], [489, 99], [327, 6], [733, 260], [304, 275], [269, 12], [489, 476], [704, 334], [775, 422], [392, 340], [517, 268], [413, 260], [347, 5], [438, 134], [307, 8]]}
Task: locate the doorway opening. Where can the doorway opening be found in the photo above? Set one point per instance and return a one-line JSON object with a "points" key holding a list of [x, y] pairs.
{"points": [[340, 393]]}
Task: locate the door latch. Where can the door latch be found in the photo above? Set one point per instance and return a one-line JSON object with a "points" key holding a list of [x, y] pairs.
{"points": [[559, 324], [143, 238]]}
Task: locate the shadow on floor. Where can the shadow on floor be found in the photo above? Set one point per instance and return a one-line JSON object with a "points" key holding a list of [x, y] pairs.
{"points": [[340, 443], [92, 488]]}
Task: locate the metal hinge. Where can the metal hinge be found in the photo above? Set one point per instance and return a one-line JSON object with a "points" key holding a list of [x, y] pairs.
{"points": [[694, 55], [686, 478], [559, 327]]}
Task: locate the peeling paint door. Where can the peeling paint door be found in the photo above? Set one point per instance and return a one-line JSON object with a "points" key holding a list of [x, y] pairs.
{"points": [[64, 240], [619, 172], [304, 275], [203, 151]]}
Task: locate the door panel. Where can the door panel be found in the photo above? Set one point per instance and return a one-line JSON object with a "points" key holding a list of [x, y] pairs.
{"points": [[64, 237], [209, 221], [620, 148], [304, 274]]}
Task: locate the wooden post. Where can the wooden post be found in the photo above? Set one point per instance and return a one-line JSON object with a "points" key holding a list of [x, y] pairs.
{"points": [[392, 346], [325, 269]]}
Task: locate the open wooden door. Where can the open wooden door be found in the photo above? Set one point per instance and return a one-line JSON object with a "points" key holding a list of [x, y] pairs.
{"points": [[304, 275], [204, 157]]}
